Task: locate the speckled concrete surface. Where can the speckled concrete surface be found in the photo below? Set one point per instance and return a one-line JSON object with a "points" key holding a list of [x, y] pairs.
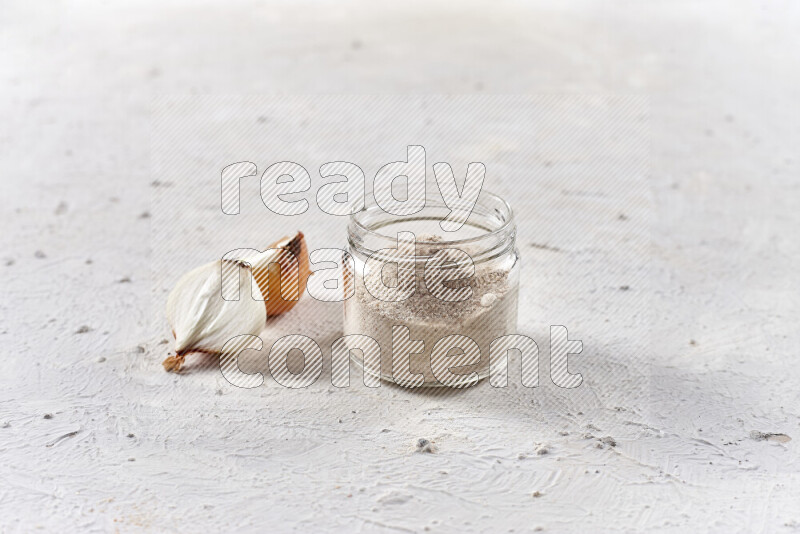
{"points": [[96, 437]]}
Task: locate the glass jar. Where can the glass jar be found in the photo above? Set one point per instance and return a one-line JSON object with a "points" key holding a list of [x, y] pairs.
{"points": [[433, 311]]}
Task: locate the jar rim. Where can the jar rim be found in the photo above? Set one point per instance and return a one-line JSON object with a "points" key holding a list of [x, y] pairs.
{"points": [[507, 223]]}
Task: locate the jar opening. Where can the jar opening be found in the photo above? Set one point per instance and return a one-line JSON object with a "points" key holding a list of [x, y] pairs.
{"points": [[489, 229]]}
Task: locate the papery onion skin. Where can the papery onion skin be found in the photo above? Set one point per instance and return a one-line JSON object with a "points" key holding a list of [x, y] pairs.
{"points": [[295, 276]]}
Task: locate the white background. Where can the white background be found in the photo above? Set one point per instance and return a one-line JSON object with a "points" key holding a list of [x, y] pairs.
{"points": [[77, 87]]}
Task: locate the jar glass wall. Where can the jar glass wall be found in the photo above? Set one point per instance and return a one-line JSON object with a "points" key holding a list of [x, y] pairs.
{"points": [[432, 300]]}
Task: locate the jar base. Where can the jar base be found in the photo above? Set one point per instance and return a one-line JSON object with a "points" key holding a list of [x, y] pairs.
{"points": [[468, 380]]}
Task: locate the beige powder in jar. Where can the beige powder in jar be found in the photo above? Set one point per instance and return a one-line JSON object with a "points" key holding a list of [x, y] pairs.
{"points": [[489, 313]]}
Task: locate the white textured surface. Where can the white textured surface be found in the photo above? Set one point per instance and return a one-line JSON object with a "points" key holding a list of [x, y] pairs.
{"points": [[77, 85]]}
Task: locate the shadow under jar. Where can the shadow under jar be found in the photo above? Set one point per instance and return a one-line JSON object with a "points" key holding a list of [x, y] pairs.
{"points": [[451, 317]]}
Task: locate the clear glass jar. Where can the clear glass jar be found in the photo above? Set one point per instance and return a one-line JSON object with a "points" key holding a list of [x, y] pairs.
{"points": [[481, 307]]}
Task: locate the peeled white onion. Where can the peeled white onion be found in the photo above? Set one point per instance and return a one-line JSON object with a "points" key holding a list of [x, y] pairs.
{"points": [[201, 320]]}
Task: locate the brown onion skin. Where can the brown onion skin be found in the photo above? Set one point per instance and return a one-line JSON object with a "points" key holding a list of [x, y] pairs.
{"points": [[270, 281]]}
